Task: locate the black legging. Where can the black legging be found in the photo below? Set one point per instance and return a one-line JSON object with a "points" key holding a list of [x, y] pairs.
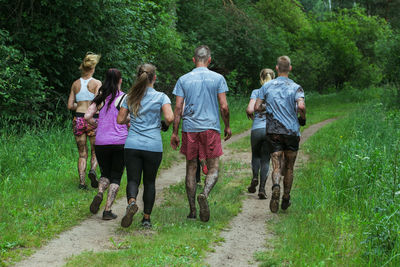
{"points": [[146, 162]]}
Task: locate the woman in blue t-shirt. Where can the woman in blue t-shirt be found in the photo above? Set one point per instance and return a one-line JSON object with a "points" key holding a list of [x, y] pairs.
{"points": [[143, 147], [260, 152]]}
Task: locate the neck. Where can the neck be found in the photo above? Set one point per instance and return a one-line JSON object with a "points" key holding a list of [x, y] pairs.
{"points": [[201, 64], [150, 85], [284, 74], [87, 75]]}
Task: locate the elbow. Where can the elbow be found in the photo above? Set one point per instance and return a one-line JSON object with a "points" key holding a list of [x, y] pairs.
{"points": [[120, 120], [70, 107], [224, 109], [169, 119]]}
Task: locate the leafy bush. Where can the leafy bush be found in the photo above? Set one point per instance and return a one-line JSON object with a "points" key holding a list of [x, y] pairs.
{"points": [[23, 90]]}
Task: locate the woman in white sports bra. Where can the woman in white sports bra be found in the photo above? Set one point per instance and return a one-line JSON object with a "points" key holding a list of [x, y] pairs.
{"points": [[82, 93]]}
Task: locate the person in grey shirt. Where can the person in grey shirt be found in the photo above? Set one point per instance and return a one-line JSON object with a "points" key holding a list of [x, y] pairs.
{"points": [[204, 94], [284, 99]]}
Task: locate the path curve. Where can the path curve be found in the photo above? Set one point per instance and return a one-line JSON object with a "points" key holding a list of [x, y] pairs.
{"points": [[246, 233], [93, 234]]}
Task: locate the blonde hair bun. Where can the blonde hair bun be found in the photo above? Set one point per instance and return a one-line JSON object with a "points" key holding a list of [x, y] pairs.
{"points": [[90, 61]]}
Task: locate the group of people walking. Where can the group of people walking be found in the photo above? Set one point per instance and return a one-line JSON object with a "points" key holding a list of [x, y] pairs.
{"points": [[124, 131]]}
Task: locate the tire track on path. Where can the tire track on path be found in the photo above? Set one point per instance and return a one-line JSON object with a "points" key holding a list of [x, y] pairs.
{"points": [[246, 234], [93, 234]]}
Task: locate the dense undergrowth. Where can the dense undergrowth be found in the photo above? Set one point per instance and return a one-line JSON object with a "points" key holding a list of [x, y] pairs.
{"points": [[346, 200]]}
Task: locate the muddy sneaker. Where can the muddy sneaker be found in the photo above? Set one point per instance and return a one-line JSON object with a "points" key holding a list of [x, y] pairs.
{"points": [[94, 207], [262, 195], [83, 187], [204, 210], [108, 215], [253, 185], [274, 204], [285, 203], [146, 223], [192, 215], [93, 179], [131, 209]]}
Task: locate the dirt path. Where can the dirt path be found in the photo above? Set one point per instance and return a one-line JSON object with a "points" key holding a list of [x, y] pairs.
{"points": [[246, 233], [94, 234]]}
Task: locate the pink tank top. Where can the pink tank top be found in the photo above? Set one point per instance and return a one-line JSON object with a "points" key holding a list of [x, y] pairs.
{"points": [[109, 132]]}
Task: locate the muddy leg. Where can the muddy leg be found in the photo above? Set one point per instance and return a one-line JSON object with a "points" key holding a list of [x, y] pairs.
{"points": [[93, 159], [112, 193], [290, 158], [212, 176], [83, 155], [276, 176], [103, 184], [191, 167]]}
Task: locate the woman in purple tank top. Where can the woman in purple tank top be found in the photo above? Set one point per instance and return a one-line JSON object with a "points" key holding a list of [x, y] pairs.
{"points": [[110, 140]]}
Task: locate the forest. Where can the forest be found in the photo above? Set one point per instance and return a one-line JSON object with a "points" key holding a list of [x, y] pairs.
{"points": [[346, 193], [334, 45]]}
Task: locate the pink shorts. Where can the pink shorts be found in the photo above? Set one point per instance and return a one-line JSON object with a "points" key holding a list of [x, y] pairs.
{"points": [[202, 145], [81, 126]]}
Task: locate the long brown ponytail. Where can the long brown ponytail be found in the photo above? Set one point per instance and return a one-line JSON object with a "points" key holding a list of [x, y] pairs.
{"points": [[145, 75]]}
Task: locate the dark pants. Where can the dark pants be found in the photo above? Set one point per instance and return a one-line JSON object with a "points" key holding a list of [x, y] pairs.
{"points": [[260, 156], [111, 162], [146, 162]]}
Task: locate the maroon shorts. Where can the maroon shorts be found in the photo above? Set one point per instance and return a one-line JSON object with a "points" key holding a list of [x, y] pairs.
{"points": [[202, 145]]}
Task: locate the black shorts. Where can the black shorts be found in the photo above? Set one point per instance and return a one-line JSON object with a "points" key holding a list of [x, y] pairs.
{"points": [[282, 142], [111, 162]]}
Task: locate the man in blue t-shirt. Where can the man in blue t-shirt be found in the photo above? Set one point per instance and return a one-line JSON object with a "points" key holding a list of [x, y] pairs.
{"points": [[204, 94], [284, 99]]}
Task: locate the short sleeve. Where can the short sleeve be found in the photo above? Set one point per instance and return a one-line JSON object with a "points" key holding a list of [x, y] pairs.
{"points": [[178, 90], [299, 93], [261, 92], [165, 100], [124, 103], [223, 87], [254, 94]]}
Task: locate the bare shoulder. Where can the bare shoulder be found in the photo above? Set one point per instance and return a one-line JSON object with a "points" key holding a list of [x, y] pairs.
{"points": [[76, 86]]}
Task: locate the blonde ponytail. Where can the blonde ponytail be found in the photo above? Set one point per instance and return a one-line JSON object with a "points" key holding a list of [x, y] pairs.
{"points": [[266, 75]]}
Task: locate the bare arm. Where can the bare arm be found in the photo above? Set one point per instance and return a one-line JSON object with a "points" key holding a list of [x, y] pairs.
{"points": [[92, 109], [168, 114], [224, 109], [259, 105], [177, 120], [301, 107], [250, 109], [123, 116], [72, 105]]}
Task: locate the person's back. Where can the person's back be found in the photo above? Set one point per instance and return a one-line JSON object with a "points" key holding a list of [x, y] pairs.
{"points": [[109, 132], [203, 92], [281, 111], [200, 89]]}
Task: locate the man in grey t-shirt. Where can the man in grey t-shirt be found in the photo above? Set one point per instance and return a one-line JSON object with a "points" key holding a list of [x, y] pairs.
{"points": [[204, 94], [284, 99]]}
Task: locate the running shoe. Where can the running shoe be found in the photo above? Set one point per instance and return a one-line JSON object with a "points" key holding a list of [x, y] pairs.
{"points": [[252, 188], [274, 204], [146, 223], [93, 179], [131, 209], [94, 207], [262, 195], [285, 203], [108, 215], [83, 187], [192, 215], [204, 209]]}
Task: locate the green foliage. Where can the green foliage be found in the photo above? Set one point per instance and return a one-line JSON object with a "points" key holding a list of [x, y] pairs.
{"points": [[347, 197], [23, 90]]}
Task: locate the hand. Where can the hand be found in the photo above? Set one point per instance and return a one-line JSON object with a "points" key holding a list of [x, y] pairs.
{"points": [[250, 116], [164, 126], [302, 121], [174, 141], [227, 133]]}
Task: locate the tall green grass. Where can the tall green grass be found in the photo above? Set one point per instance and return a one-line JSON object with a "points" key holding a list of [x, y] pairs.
{"points": [[346, 201]]}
